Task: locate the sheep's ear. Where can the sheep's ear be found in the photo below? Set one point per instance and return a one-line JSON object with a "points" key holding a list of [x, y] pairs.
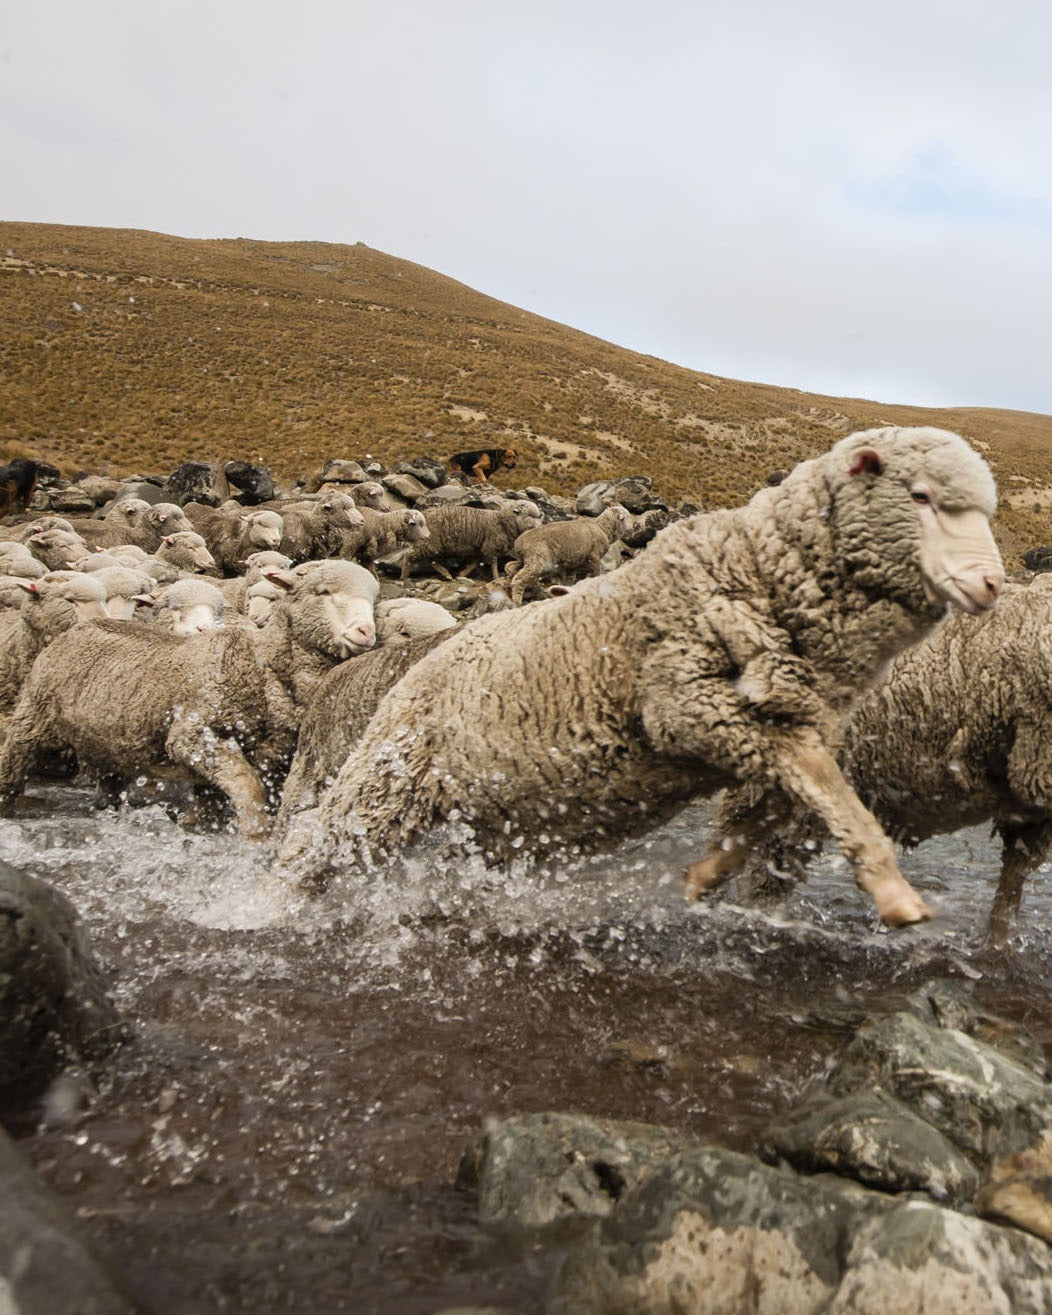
{"points": [[282, 579], [867, 462], [166, 539], [30, 586], [144, 600]]}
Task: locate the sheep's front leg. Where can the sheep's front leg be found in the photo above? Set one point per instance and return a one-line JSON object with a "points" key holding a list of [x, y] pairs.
{"points": [[221, 762], [809, 772]]}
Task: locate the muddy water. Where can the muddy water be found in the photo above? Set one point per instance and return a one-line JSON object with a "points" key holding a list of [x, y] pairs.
{"points": [[283, 1130]]}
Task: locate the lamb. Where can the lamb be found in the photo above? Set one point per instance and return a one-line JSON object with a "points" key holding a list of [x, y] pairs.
{"points": [[470, 535], [382, 533], [958, 734], [127, 698], [313, 530], [567, 546], [232, 536], [51, 605], [728, 652]]}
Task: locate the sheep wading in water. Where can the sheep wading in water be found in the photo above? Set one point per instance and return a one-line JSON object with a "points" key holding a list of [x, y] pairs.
{"points": [[958, 734], [224, 706], [730, 650]]}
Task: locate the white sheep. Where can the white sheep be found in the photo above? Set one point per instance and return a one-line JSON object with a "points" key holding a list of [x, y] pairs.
{"points": [[398, 620], [190, 606], [126, 588], [730, 650], [959, 733], [383, 532], [568, 547], [470, 535], [50, 606], [225, 706], [236, 590], [146, 533], [232, 534], [187, 551], [313, 530], [58, 549]]}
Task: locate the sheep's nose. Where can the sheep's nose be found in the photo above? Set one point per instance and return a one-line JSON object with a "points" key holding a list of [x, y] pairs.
{"points": [[994, 581], [363, 636]]}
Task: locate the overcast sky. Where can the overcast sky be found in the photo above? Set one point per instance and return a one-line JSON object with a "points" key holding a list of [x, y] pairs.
{"points": [[850, 198]]}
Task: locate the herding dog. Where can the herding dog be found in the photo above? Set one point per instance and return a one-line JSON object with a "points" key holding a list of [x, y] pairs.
{"points": [[18, 481], [483, 463]]}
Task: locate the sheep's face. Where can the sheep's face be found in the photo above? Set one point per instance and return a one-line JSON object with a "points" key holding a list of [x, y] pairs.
{"points": [[195, 619], [188, 550], [331, 610], [166, 518], [414, 528], [129, 511], [264, 530], [959, 560], [341, 512]]}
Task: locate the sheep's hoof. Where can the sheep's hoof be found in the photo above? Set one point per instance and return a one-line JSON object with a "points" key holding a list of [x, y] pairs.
{"points": [[905, 910], [703, 876]]}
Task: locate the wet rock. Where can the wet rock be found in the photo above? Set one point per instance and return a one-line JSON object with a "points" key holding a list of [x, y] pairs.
{"points": [[45, 1267], [538, 1168], [256, 484], [427, 470], [877, 1140], [981, 1100], [948, 1003], [196, 481], [715, 1231], [54, 1006], [1019, 1189]]}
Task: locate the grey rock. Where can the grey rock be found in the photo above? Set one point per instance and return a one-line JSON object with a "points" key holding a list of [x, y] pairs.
{"points": [[54, 1005], [537, 1168], [427, 470], [45, 1267], [980, 1099], [876, 1139], [72, 500], [943, 1002], [256, 484], [196, 481], [407, 487]]}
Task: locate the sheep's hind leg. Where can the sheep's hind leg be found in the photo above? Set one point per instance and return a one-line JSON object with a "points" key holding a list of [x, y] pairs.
{"points": [[1025, 845], [222, 764]]}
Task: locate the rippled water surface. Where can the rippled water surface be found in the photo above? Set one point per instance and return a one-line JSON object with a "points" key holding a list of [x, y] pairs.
{"points": [[283, 1131]]}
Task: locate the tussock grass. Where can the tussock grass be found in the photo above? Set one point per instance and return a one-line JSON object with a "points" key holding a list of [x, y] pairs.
{"points": [[127, 352]]}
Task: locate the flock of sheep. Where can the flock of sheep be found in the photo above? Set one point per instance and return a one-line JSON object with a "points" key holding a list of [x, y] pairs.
{"points": [[796, 653]]}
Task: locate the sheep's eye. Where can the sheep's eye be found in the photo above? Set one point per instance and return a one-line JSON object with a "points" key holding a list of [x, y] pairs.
{"points": [[921, 497]]}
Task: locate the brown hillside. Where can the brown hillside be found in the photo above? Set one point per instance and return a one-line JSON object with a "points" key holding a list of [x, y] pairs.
{"points": [[132, 351]]}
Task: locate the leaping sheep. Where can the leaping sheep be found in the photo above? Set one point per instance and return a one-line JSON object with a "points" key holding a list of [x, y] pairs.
{"points": [[729, 651]]}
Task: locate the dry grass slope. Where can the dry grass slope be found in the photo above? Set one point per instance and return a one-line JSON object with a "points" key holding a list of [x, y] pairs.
{"points": [[132, 351]]}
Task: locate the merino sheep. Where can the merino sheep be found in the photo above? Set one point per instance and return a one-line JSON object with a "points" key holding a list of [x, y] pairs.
{"points": [[383, 532], [729, 651], [187, 551], [232, 535], [126, 588], [190, 607], [959, 733], [569, 547], [51, 605], [312, 530], [58, 549], [146, 533], [470, 535], [399, 620], [337, 716], [126, 697]]}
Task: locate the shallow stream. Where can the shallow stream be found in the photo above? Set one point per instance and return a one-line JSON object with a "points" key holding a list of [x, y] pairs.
{"points": [[283, 1131]]}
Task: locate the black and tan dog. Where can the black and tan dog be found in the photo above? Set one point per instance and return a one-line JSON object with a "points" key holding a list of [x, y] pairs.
{"points": [[18, 481], [483, 463]]}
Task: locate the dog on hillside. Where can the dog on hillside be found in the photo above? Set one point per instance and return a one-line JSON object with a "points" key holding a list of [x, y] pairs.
{"points": [[483, 463]]}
